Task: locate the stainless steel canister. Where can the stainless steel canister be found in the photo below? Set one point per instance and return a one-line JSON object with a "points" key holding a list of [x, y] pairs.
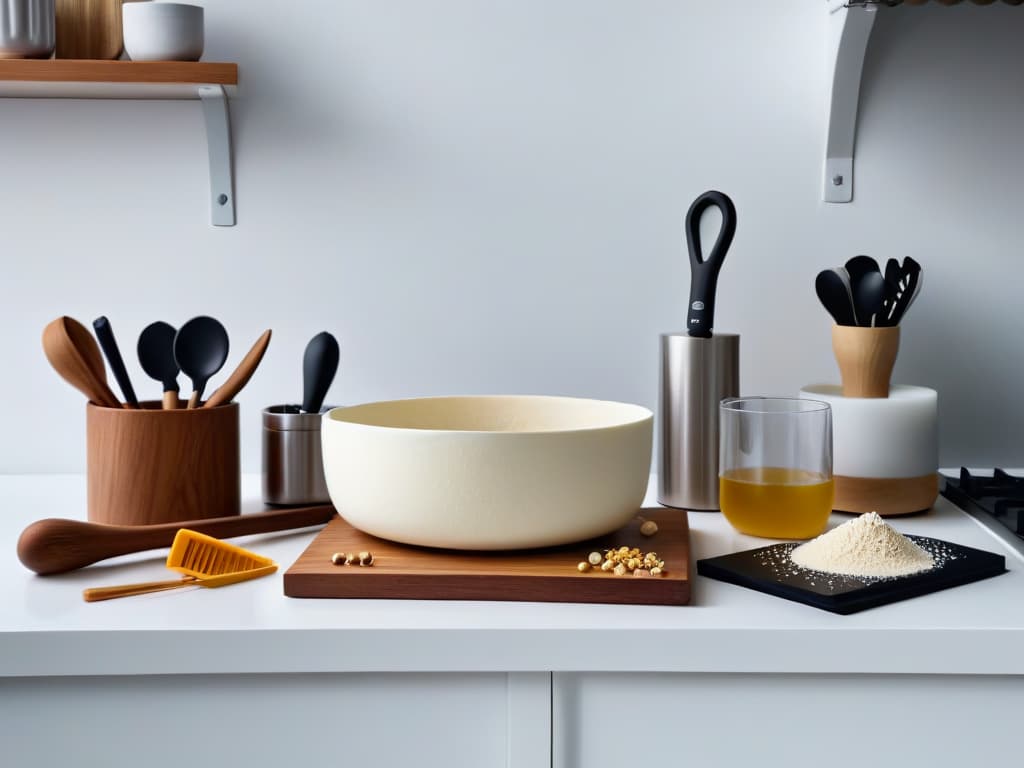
{"points": [[696, 375], [293, 467], [27, 29]]}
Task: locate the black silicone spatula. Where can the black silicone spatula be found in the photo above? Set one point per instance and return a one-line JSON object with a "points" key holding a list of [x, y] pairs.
{"points": [[200, 347], [105, 335], [892, 290], [700, 315], [156, 355], [912, 274], [319, 364], [834, 294]]}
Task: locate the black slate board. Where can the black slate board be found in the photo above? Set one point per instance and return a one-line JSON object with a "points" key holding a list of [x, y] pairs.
{"points": [[770, 570]]}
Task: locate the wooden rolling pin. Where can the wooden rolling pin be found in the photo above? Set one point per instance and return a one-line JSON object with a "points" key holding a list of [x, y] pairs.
{"points": [[56, 545]]}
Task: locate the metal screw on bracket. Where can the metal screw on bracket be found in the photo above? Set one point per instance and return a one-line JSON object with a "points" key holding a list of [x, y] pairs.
{"points": [[222, 198], [837, 180]]}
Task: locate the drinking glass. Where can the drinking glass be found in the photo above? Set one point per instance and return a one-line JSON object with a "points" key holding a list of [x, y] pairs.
{"points": [[775, 466]]}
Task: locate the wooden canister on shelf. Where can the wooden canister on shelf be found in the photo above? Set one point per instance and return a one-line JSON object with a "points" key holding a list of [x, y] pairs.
{"points": [[152, 465], [88, 29]]}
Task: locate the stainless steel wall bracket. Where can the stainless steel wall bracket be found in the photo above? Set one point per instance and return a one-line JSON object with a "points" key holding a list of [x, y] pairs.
{"points": [[218, 144], [849, 31]]}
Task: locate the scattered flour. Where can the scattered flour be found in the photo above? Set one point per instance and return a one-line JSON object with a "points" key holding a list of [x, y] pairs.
{"points": [[864, 546]]}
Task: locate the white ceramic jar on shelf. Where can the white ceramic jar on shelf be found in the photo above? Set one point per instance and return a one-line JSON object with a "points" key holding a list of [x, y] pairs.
{"points": [[162, 31]]}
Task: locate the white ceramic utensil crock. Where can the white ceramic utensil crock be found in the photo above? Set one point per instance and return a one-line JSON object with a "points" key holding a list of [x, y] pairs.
{"points": [[488, 472], [886, 449]]}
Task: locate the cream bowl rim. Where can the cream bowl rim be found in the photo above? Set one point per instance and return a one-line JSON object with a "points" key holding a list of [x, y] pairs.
{"points": [[643, 414]]}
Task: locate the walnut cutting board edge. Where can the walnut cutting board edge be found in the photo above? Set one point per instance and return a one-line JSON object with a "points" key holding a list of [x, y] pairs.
{"points": [[541, 575], [88, 29]]}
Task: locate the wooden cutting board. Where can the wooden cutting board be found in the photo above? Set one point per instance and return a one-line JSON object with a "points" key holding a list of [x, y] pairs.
{"points": [[88, 29], [543, 575]]}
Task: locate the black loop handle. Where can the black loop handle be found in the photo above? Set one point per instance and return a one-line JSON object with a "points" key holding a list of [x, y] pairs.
{"points": [[704, 271]]}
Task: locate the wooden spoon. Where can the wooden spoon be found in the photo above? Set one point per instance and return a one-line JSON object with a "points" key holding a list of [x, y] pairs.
{"points": [[75, 355], [241, 375], [56, 545]]}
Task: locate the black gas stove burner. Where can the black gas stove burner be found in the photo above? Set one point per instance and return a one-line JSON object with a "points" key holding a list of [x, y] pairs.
{"points": [[999, 485], [998, 497]]}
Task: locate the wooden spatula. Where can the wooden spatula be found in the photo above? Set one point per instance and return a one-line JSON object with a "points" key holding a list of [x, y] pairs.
{"points": [[241, 375]]}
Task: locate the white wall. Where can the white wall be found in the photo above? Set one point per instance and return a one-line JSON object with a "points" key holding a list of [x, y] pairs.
{"points": [[488, 197]]}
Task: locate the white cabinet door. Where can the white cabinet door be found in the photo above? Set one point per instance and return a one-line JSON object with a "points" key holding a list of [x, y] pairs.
{"points": [[839, 721], [173, 721]]}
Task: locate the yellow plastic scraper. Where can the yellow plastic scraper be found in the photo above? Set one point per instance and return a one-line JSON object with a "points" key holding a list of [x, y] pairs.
{"points": [[205, 561]]}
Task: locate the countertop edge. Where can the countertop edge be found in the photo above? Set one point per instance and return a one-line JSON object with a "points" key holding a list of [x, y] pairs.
{"points": [[722, 651]]}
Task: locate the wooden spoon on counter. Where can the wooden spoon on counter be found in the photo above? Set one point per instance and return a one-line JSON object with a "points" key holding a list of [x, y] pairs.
{"points": [[75, 355], [57, 545], [241, 375]]}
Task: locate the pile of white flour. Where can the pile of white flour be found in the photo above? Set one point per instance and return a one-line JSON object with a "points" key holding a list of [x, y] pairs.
{"points": [[864, 546]]}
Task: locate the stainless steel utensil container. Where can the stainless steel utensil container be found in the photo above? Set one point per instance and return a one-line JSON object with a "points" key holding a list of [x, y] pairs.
{"points": [[27, 29], [293, 467], [696, 375]]}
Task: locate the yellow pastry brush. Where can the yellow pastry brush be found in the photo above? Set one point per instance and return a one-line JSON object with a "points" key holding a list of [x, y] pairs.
{"points": [[205, 561]]}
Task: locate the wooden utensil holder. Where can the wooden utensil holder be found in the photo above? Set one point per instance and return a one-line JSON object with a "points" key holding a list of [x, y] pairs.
{"points": [[151, 465], [866, 357]]}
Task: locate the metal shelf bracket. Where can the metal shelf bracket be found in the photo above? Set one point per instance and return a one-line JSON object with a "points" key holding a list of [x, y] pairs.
{"points": [[850, 25], [218, 144]]}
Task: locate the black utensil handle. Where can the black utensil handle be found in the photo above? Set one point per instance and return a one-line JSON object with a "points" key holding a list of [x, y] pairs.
{"points": [[319, 364], [105, 335], [700, 315]]}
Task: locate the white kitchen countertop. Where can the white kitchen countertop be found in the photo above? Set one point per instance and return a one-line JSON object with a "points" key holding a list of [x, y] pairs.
{"points": [[47, 629]]}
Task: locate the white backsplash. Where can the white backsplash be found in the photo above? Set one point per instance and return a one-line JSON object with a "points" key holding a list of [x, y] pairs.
{"points": [[489, 197]]}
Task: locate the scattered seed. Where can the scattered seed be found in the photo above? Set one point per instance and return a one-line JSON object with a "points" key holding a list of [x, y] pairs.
{"points": [[595, 558], [583, 566], [338, 558], [366, 558], [648, 528]]}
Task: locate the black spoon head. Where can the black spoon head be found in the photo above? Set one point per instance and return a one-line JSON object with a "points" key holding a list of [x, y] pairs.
{"points": [[859, 266], [156, 354], [200, 349], [869, 295], [319, 364]]}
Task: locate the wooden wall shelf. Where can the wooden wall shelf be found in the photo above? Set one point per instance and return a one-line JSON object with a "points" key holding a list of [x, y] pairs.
{"points": [[209, 82]]}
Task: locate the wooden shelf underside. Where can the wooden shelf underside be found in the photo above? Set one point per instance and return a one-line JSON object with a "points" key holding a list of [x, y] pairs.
{"points": [[74, 78]]}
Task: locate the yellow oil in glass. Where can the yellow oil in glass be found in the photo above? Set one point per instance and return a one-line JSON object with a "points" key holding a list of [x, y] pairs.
{"points": [[776, 502]]}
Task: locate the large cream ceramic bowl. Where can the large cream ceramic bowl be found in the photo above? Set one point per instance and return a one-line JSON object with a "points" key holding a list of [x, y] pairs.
{"points": [[492, 472]]}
